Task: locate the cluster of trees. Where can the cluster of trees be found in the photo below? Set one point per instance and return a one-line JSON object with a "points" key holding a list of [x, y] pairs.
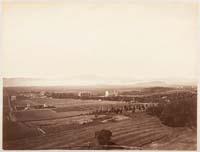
{"points": [[156, 110], [61, 95], [119, 110], [180, 111], [152, 99], [157, 98], [75, 96], [21, 97], [111, 98], [146, 91]]}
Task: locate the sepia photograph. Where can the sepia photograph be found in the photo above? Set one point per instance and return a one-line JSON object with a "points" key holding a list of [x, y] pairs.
{"points": [[99, 74]]}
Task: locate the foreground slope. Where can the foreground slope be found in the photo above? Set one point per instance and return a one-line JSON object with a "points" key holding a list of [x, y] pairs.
{"points": [[141, 131]]}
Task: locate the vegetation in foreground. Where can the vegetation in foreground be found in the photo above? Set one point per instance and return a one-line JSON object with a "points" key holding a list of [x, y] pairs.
{"points": [[180, 112]]}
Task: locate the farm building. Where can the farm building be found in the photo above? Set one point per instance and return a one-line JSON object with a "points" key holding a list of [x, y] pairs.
{"points": [[111, 93], [13, 98], [20, 107], [84, 94]]}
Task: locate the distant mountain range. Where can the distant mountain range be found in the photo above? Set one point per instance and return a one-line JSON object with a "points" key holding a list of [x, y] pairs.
{"points": [[151, 84], [94, 81]]}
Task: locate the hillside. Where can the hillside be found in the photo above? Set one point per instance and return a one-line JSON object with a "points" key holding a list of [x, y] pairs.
{"points": [[141, 131]]}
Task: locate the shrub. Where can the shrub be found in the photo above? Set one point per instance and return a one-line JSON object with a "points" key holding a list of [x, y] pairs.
{"points": [[103, 137]]}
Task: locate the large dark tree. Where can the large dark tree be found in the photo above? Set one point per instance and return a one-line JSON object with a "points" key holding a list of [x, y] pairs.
{"points": [[103, 137]]}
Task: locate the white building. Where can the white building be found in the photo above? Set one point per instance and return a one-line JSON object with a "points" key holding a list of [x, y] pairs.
{"points": [[13, 98], [28, 106], [110, 93], [84, 94], [107, 94]]}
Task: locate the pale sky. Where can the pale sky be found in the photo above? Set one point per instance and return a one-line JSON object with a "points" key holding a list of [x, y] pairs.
{"points": [[111, 39]]}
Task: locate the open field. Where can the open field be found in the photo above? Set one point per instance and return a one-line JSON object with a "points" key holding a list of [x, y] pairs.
{"points": [[43, 114]]}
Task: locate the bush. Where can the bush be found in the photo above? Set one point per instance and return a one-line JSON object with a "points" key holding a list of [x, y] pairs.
{"points": [[103, 137]]}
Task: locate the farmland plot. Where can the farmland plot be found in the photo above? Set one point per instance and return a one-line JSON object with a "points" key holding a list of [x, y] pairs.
{"points": [[74, 102], [23, 102], [139, 131], [43, 114]]}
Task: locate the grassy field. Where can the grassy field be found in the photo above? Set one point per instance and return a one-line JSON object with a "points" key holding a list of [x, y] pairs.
{"points": [[74, 102]]}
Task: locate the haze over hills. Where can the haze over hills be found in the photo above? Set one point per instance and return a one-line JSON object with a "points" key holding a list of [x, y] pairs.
{"points": [[95, 81]]}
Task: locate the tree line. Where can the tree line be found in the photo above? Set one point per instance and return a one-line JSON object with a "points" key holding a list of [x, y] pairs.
{"points": [[179, 111]]}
